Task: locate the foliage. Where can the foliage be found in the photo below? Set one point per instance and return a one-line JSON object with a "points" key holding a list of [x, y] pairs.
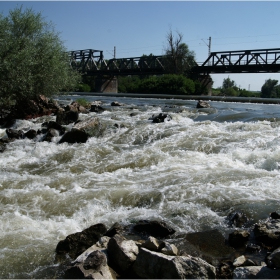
{"points": [[167, 84], [228, 83], [83, 102], [270, 89], [84, 88], [33, 60], [179, 58], [129, 84]]}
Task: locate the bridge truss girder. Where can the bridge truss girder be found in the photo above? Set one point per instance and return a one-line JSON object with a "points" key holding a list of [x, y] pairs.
{"points": [[246, 61], [91, 64]]}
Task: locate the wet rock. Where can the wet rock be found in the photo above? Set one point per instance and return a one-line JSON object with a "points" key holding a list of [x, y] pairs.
{"points": [[93, 267], [100, 245], [268, 233], [14, 134], [209, 245], [255, 272], [273, 260], [155, 265], [238, 238], [50, 134], [66, 117], [116, 228], [239, 261], [153, 244], [116, 103], [91, 126], [160, 118], [153, 228], [30, 134], [74, 136], [169, 249], [122, 253], [202, 104], [225, 270], [252, 248], [96, 107], [237, 219], [56, 126], [2, 146], [274, 215], [76, 243]]}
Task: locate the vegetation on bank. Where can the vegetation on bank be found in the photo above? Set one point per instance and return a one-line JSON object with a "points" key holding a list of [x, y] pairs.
{"points": [[33, 60]]}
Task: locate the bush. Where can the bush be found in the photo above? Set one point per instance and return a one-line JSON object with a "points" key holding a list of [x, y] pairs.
{"points": [[33, 58]]}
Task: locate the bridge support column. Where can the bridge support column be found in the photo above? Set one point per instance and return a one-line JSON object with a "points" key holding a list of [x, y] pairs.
{"points": [[106, 84], [206, 82]]}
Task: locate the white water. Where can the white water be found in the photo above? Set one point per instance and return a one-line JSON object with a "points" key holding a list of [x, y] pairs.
{"points": [[190, 172]]}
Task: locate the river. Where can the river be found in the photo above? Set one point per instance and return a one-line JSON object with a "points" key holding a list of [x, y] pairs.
{"points": [[191, 172]]}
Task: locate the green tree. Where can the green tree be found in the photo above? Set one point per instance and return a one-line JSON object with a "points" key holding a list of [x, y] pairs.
{"points": [[270, 89], [33, 59], [228, 83], [179, 58]]}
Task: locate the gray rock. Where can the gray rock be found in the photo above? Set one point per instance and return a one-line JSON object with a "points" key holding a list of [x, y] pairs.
{"points": [[273, 260], [255, 272], [268, 232], [122, 252], [93, 267], [91, 126], [153, 244], [238, 238], [239, 261], [154, 265], [169, 249]]}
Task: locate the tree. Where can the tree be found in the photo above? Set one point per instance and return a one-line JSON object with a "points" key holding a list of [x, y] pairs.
{"points": [[270, 89], [228, 83], [33, 60], [179, 58], [229, 88]]}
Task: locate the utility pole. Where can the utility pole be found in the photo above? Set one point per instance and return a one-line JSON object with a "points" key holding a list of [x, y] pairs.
{"points": [[114, 52], [209, 47]]}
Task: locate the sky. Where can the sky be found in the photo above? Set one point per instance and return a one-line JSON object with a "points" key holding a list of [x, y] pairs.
{"points": [[135, 28]]}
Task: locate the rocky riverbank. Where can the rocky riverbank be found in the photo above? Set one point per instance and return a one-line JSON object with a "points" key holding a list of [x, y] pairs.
{"points": [[153, 250]]}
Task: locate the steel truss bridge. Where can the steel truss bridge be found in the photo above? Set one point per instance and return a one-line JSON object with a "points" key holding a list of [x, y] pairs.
{"points": [[91, 62]]}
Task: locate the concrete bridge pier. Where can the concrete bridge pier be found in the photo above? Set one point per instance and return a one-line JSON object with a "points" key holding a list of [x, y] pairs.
{"points": [[106, 84], [206, 82]]}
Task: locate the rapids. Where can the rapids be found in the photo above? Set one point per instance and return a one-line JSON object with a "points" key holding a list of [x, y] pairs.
{"points": [[191, 172]]}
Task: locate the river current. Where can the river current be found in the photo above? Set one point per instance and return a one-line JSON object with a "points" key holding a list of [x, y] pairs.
{"points": [[191, 172]]}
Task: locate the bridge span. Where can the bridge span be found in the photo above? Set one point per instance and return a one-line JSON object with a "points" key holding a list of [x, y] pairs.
{"points": [[91, 62]]}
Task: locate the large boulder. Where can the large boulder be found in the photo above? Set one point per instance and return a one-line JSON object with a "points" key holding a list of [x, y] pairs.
{"points": [[75, 244], [14, 133], [209, 245], [91, 126], [74, 136], [268, 233], [66, 117], [155, 265], [273, 260], [122, 253], [153, 228]]}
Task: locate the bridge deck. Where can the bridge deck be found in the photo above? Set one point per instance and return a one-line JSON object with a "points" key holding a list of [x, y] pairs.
{"points": [[244, 61]]}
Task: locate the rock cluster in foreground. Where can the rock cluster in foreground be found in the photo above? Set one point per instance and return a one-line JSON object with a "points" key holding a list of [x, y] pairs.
{"points": [[152, 250]]}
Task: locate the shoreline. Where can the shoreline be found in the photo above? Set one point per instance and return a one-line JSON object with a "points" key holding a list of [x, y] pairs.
{"points": [[184, 97]]}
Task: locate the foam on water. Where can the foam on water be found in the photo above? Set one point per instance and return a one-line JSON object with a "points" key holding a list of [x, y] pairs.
{"points": [[189, 173]]}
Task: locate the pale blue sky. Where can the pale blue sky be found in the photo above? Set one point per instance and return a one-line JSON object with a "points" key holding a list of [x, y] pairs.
{"points": [[139, 27]]}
